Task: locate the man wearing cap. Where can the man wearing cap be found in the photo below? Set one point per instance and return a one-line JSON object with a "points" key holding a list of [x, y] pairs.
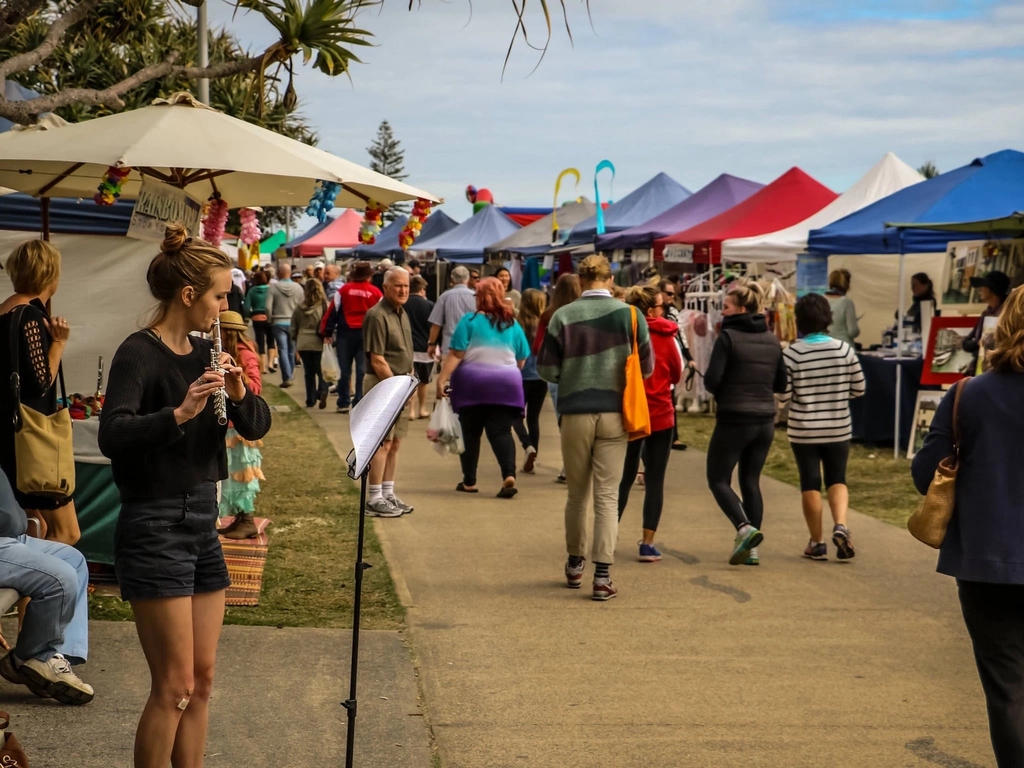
{"points": [[993, 287], [378, 278], [387, 338]]}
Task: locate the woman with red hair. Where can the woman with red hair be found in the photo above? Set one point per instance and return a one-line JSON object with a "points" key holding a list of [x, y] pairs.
{"points": [[488, 349]]}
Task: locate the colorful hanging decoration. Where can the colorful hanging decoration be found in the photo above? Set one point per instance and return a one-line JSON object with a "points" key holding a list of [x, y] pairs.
{"points": [[251, 232], [109, 189], [373, 219], [604, 164], [554, 213], [420, 211], [215, 220], [479, 198], [323, 199]]}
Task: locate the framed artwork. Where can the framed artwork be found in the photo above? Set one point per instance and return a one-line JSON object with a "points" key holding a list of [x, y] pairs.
{"points": [[945, 360], [927, 402], [976, 258]]}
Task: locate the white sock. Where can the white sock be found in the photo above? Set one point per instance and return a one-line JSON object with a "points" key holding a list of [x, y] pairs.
{"points": [[375, 493], [388, 489], [744, 528]]}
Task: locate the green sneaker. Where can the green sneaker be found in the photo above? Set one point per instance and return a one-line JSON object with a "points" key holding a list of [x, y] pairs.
{"points": [[752, 558], [743, 544]]}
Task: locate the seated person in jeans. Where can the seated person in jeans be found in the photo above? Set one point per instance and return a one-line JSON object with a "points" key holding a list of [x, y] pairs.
{"points": [[55, 633]]}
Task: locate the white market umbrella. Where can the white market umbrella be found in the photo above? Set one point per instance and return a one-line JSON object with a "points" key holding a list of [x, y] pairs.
{"points": [[889, 175], [186, 144]]}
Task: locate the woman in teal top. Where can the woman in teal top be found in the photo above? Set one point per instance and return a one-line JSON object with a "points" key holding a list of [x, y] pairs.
{"points": [[844, 314], [255, 309]]}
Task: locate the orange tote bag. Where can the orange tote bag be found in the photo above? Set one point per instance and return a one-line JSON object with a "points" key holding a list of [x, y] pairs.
{"points": [[635, 416]]}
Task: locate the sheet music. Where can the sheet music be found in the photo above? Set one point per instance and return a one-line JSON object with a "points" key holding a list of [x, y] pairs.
{"points": [[374, 417]]}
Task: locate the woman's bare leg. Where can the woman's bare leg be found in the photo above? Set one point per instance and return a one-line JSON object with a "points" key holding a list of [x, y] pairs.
{"points": [[839, 502], [811, 502], [164, 626], [207, 618]]}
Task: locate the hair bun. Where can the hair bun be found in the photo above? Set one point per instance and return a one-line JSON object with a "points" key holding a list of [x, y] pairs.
{"points": [[175, 237]]}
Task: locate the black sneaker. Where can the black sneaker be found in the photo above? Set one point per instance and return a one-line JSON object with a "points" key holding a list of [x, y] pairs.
{"points": [[817, 551], [844, 544]]}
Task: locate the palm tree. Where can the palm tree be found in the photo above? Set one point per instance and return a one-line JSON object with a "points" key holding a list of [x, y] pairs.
{"points": [[928, 170]]}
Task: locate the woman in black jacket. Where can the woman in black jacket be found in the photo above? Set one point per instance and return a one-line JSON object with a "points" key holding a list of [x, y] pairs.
{"points": [[982, 548], [745, 372]]}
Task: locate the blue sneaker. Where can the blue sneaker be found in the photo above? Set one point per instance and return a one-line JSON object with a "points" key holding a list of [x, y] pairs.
{"points": [[649, 553], [743, 544]]}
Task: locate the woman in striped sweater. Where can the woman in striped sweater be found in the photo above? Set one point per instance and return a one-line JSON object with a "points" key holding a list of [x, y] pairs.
{"points": [[824, 375]]}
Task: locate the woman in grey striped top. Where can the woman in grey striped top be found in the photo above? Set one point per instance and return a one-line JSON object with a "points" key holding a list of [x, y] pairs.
{"points": [[824, 375]]}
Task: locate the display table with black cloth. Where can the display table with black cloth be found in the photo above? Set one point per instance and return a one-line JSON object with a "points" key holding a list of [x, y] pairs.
{"points": [[873, 414], [97, 501]]}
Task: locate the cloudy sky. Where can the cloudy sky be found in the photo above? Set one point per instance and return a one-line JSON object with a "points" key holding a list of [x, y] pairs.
{"points": [[692, 88]]}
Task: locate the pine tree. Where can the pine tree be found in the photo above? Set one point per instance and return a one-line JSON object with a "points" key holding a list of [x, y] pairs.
{"points": [[388, 157]]}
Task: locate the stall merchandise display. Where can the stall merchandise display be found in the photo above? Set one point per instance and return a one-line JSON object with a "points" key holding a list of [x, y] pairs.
{"points": [[924, 412], [976, 258], [945, 359]]}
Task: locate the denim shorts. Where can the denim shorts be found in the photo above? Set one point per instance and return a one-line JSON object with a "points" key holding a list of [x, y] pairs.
{"points": [[169, 547]]}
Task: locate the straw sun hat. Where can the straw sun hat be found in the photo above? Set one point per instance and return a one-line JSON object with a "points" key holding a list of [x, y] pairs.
{"points": [[233, 321]]}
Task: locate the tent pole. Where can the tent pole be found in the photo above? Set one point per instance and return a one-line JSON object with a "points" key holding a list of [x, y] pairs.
{"points": [[899, 350]]}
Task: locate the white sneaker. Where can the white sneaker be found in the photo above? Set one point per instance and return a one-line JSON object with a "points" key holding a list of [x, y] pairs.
{"points": [[382, 508], [531, 459], [57, 677], [407, 509]]}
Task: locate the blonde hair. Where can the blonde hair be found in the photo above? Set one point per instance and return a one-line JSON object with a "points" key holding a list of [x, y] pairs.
{"points": [[643, 297], [531, 307], [183, 261], [33, 266], [594, 269], [839, 280], [1008, 355], [314, 294], [749, 296]]}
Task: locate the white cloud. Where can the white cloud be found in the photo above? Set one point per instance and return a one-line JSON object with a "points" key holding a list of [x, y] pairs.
{"points": [[694, 89]]}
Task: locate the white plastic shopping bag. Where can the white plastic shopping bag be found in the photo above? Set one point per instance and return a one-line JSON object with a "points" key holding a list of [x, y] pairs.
{"points": [[329, 368], [444, 430]]}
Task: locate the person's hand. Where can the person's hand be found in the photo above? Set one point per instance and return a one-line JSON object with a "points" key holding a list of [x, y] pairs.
{"points": [[443, 390], [233, 382], [329, 341], [59, 330], [691, 365], [3, 643], [198, 393]]}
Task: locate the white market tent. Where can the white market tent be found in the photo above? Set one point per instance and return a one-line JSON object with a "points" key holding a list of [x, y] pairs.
{"points": [[889, 175]]}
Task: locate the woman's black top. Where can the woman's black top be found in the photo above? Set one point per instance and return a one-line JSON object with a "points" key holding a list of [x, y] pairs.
{"points": [[151, 455], [746, 370], [38, 389]]}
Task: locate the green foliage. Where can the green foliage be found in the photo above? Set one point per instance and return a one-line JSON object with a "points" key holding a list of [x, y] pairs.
{"points": [[388, 157], [928, 170]]}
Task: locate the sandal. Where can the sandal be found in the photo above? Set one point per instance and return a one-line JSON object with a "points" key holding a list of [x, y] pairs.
{"points": [[508, 490], [461, 487]]}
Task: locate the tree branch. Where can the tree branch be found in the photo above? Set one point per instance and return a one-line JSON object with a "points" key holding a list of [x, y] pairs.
{"points": [[29, 59], [25, 112], [14, 12]]}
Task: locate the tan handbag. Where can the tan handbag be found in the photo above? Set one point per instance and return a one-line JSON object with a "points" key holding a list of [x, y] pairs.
{"points": [[928, 524], [43, 448]]}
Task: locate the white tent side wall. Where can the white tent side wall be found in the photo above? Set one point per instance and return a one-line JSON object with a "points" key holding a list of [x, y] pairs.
{"points": [[103, 294]]}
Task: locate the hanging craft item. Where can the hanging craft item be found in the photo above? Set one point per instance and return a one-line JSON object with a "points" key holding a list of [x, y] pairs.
{"points": [[373, 217], [554, 213], [420, 212], [597, 192], [215, 220], [322, 200], [251, 232], [109, 189]]}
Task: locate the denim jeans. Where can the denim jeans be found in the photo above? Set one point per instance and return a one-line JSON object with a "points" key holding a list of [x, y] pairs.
{"points": [[349, 345], [285, 351], [55, 576]]}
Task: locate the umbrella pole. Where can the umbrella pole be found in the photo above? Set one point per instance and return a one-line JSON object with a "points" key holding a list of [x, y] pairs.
{"points": [[899, 351], [44, 212]]}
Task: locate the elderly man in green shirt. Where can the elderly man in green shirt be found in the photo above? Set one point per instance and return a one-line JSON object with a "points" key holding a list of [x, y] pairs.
{"points": [[387, 340]]}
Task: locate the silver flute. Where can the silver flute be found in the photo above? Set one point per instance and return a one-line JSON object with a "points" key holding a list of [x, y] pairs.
{"points": [[220, 397]]}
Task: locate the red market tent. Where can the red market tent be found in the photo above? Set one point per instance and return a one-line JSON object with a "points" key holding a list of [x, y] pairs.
{"points": [[788, 200], [343, 232]]}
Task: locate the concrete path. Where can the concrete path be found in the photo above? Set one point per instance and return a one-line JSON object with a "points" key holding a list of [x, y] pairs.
{"points": [[275, 703], [696, 663]]}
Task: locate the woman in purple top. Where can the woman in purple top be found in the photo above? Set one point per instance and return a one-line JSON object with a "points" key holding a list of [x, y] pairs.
{"points": [[488, 349]]}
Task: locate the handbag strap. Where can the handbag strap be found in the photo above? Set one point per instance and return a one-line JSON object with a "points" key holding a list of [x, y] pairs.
{"points": [[15, 348], [960, 387], [632, 313]]}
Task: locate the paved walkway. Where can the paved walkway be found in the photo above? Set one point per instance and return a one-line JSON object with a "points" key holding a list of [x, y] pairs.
{"points": [[696, 663]]}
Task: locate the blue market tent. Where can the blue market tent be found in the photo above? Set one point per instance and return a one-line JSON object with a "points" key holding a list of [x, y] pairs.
{"points": [[716, 197], [67, 216], [466, 242], [654, 196], [988, 188], [436, 224]]}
